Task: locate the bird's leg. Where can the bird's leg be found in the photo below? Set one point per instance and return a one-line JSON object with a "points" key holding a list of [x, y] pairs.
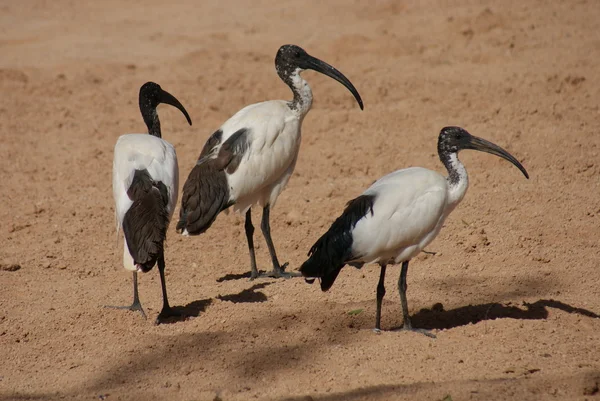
{"points": [[167, 311], [278, 270], [136, 305], [402, 289], [380, 295], [250, 237]]}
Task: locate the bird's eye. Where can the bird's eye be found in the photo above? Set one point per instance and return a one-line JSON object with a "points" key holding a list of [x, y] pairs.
{"points": [[297, 54]]}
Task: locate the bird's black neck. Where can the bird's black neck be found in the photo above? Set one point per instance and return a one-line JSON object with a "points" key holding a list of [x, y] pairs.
{"points": [[458, 181], [303, 97], [449, 160], [154, 128], [150, 117]]}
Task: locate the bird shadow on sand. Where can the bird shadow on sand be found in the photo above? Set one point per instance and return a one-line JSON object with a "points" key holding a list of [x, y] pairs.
{"points": [[249, 295], [193, 309], [234, 276], [239, 276], [438, 318]]}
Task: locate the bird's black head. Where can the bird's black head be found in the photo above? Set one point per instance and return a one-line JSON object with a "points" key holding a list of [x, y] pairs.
{"points": [[151, 95], [292, 59], [455, 139], [289, 58]]}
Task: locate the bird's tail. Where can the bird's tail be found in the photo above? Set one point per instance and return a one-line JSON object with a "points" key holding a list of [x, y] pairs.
{"points": [[333, 250], [145, 223], [320, 264], [205, 194]]}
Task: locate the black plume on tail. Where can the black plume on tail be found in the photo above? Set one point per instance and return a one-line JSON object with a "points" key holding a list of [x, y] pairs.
{"points": [[333, 250], [206, 191], [145, 223], [205, 195]]}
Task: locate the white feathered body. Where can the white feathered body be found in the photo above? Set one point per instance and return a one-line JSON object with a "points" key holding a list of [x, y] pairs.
{"points": [[274, 142], [142, 152], [409, 210]]}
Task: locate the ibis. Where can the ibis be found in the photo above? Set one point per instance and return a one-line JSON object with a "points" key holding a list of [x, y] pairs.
{"points": [[145, 188], [396, 218], [248, 161]]}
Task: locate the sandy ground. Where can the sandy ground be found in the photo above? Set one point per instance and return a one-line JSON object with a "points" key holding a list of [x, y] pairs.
{"points": [[513, 292]]}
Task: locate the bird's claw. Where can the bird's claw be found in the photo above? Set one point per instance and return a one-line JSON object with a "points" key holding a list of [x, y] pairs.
{"points": [[406, 327], [279, 273], [134, 307], [275, 273]]}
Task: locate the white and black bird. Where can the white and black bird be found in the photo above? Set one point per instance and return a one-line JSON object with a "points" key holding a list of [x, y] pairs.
{"points": [[145, 188], [249, 160], [397, 217]]}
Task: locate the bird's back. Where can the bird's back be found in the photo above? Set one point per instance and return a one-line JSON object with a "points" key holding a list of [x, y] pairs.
{"points": [[143, 152], [240, 163], [273, 144], [394, 217], [409, 206], [256, 116], [145, 186]]}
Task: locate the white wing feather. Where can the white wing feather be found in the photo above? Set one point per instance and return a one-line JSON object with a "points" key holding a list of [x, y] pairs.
{"points": [[274, 135], [408, 212]]}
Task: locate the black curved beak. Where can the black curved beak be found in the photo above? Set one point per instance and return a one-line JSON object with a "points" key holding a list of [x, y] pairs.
{"points": [[167, 98], [315, 64], [482, 145]]}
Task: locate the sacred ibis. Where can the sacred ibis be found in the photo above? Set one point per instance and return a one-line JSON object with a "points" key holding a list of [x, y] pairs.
{"points": [[249, 160], [145, 187], [395, 218]]}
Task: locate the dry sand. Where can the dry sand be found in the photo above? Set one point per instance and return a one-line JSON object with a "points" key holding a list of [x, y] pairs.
{"points": [[513, 291]]}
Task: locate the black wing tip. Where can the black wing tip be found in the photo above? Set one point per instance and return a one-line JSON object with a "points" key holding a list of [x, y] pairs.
{"points": [[182, 226], [146, 267], [328, 280], [181, 223], [330, 253]]}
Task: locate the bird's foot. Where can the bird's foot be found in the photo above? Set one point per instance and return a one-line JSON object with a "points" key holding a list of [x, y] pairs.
{"points": [[136, 306], [254, 274], [166, 314], [281, 273], [408, 327]]}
